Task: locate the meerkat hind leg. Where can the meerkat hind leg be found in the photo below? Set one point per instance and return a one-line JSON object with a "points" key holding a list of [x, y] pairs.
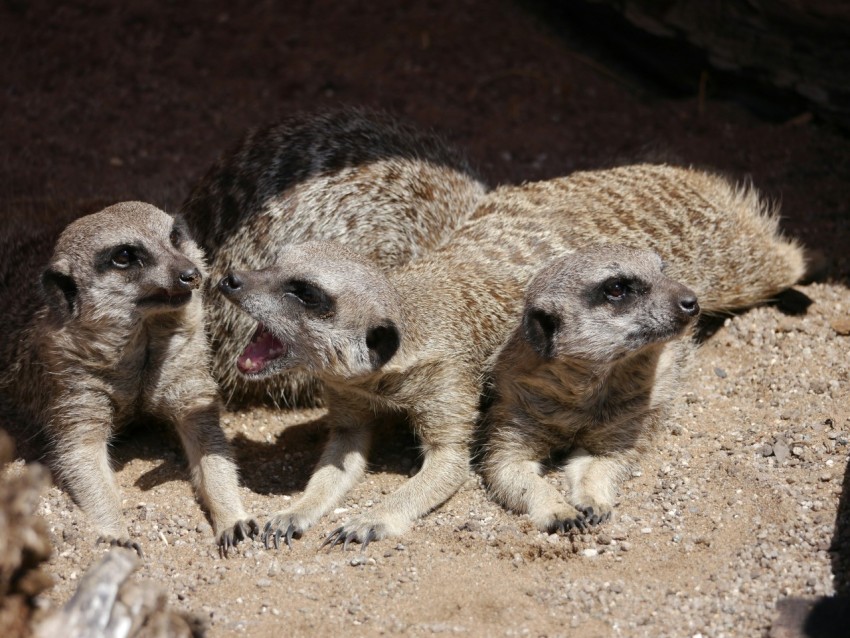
{"points": [[593, 483], [341, 466]]}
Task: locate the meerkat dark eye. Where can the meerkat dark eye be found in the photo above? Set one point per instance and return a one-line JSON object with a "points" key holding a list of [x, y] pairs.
{"points": [[306, 293], [122, 257], [615, 290], [175, 237]]}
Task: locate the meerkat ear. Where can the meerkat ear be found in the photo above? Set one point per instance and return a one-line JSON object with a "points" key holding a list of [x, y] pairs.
{"points": [[60, 288], [383, 342], [539, 328]]}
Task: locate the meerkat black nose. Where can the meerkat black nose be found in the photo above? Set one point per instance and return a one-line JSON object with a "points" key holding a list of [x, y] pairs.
{"points": [[230, 284], [190, 278], [689, 305]]}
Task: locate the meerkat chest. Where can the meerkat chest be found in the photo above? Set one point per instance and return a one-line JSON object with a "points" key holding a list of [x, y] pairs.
{"points": [[151, 364]]}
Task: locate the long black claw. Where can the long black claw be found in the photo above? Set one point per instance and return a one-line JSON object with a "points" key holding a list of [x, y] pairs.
{"points": [[592, 517], [290, 531], [230, 544], [266, 528], [372, 535], [278, 533], [125, 543], [333, 538]]}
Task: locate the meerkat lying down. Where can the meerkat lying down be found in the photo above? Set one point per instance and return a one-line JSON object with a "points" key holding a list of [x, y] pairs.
{"points": [[590, 370], [116, 332], [415, 341]]}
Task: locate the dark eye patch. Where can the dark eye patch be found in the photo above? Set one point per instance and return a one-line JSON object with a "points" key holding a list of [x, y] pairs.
{"points": [[122, 257], [622, 288], [311, 295], [616, 289]]}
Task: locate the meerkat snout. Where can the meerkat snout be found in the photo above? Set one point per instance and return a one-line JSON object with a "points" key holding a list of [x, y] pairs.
{"points": [[230, 284], [190, 278], [688, 304], [168, 285]]}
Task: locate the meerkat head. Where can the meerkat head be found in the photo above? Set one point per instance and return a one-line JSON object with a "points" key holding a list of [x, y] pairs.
{"points": [[128, 260], [322, 308], [603, 303]]}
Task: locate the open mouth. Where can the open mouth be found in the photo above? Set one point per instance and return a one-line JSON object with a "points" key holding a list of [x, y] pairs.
{"points": [[262, 350], [169, 299]]}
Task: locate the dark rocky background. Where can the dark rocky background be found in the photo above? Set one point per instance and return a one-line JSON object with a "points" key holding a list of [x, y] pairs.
{"points": [[135, 99]]}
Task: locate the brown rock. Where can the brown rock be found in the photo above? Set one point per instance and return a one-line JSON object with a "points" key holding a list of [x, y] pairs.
{"points": [[841, 326]]}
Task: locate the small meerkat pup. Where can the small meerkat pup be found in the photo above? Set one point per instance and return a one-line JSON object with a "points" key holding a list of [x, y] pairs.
{"points": [[361, 178], [590, 370], [415, 341], [116, 332]]}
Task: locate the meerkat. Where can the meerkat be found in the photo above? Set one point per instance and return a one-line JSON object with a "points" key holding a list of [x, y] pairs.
{"points": [[113, 332], [358, 177], [590, 370], [415, 341]]}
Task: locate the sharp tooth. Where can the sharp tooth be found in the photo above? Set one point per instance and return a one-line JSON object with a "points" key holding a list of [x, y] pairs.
{"points": [[248, 363]]}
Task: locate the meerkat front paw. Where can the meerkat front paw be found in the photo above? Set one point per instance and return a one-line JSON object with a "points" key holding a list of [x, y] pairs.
{"points": [[595, 514], [562, 520], [121, 541], [286, 526], [241, 530], [361, 530]]}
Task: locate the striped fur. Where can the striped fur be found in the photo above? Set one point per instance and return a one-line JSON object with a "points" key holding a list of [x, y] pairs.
{"points": [[357, 177]]}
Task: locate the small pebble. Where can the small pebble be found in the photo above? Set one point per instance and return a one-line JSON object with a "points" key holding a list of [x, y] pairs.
{"points": [[781, 451], [841, 326]]}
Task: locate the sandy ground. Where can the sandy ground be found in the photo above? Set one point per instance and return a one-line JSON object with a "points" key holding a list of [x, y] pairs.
{"points": [[741, 506], [735, 511]]}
